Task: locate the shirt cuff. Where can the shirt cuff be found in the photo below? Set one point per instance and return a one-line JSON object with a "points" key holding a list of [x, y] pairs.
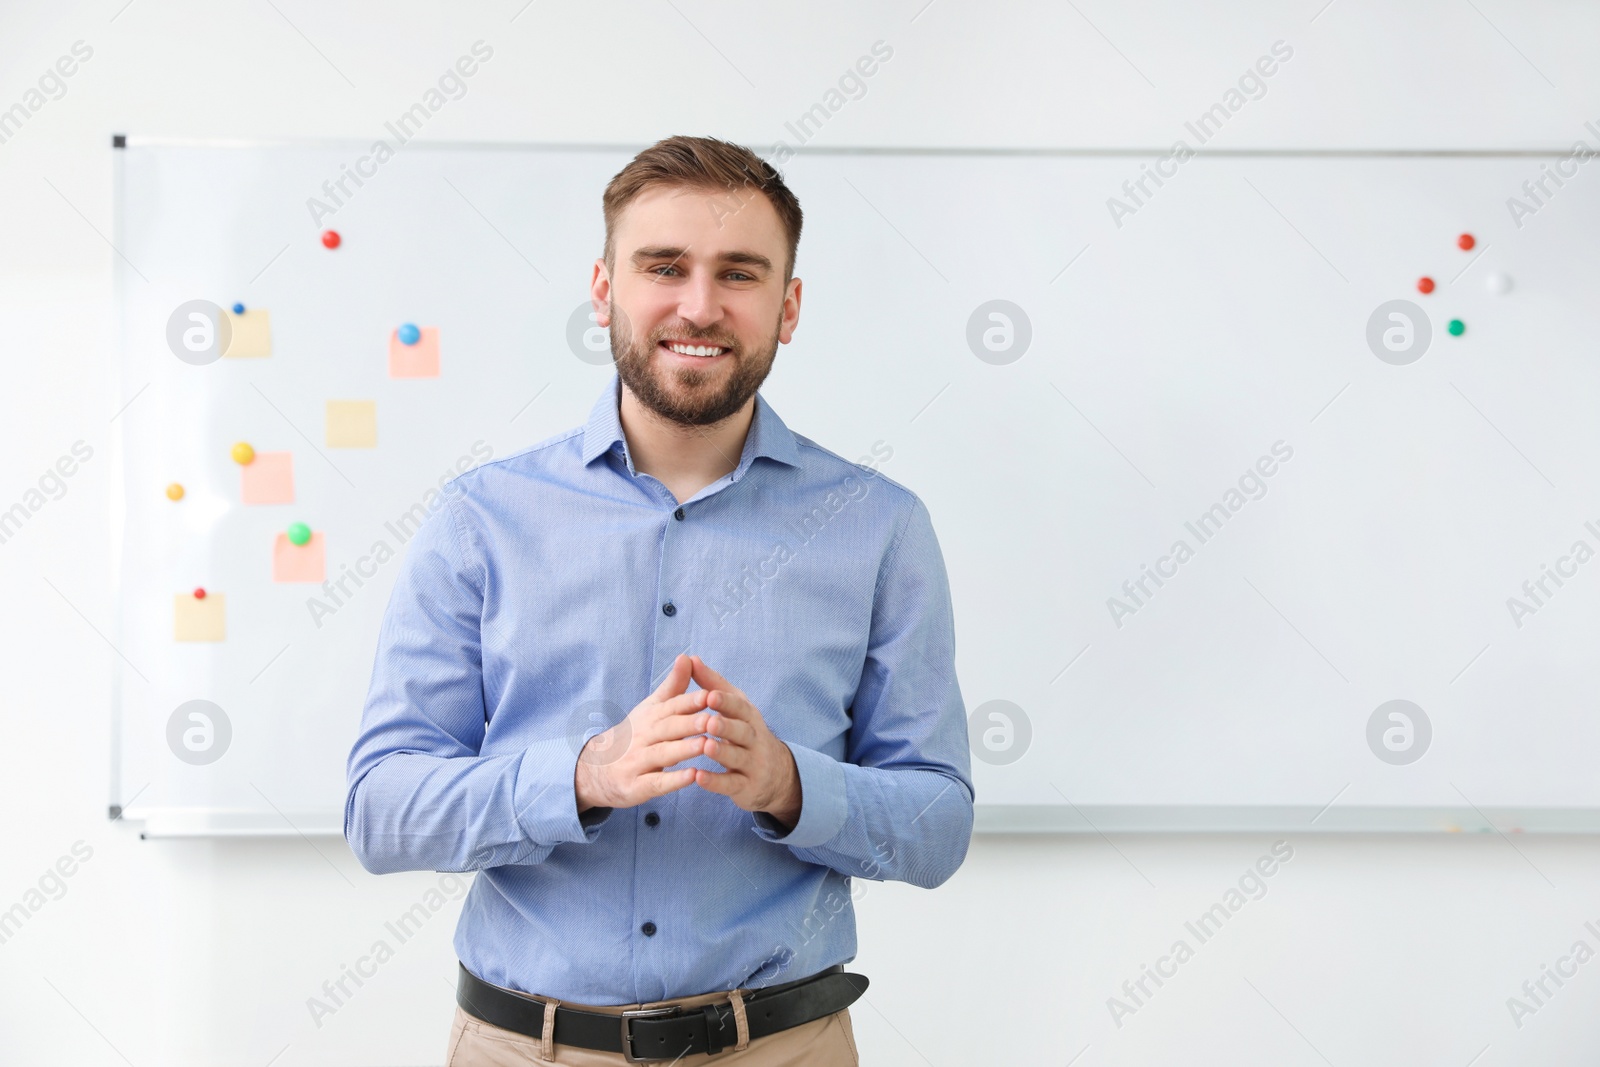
{"points": [[546, 796], [823, 804]]}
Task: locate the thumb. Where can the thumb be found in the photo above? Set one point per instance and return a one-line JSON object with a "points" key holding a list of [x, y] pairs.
{"points": [[707, 678], [676, 681]]}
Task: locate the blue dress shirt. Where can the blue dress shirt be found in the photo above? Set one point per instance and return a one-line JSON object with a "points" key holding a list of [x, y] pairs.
{"points": [[547, 596]]}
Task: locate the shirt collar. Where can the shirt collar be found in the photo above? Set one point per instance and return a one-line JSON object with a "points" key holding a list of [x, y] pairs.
{"points": [[768, 435]]}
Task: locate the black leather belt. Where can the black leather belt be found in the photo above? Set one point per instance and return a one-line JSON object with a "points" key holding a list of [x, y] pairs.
{"points": [[671, 1031]]}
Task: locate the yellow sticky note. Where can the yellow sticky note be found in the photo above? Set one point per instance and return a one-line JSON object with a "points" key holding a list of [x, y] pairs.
{"points": [[352, 424], [251, 336], [268, 479], [299, 563], [420, 360], [199, 618]]}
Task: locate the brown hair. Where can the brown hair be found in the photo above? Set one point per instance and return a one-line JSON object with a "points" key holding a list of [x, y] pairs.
{"points": [[702, 163]]}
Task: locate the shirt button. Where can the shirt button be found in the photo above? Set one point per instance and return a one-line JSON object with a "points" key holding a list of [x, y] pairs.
{"points": [[668, 609], [678, 514], [652, 819], [649, 929]]}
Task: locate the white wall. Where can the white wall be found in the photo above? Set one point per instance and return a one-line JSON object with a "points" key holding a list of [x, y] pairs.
{"points": [[1363, 950]]}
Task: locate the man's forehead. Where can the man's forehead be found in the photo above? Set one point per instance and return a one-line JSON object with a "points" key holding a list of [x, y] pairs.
{"points": [[707, 222]]}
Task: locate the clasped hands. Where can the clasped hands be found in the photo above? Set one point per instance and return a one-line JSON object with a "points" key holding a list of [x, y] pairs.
{"points": [[626, 765]]}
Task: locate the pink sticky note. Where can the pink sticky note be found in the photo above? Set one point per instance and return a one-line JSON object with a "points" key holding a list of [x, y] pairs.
{"points": [[299, 563], [420, 360], [268, 479]]}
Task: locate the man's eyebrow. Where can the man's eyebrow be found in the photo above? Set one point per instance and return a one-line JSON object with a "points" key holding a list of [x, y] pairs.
{"points": [[655, 252]]}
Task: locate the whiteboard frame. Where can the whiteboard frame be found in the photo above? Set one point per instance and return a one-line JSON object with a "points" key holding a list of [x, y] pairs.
{"points": [[1030, 819]]}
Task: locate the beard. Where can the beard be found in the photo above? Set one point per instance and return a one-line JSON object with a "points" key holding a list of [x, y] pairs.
{"points": [[686, 395]]}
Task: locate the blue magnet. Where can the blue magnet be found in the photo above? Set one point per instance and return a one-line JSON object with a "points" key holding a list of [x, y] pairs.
{"points": [[409, 334], [238, 309]]}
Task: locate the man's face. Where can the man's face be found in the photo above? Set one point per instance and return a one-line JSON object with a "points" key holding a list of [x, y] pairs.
{"points": [[701, 270]]}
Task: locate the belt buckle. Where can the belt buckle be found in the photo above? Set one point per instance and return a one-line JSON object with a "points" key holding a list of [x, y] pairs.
{"points": [[640, 1013]]}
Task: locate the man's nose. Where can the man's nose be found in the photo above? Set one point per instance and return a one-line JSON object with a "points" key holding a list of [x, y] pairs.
{"points": [[700, 303]]}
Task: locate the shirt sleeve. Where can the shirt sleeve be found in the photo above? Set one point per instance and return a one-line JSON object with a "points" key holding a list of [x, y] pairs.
{"points": [[900, 807], [420, 795]]}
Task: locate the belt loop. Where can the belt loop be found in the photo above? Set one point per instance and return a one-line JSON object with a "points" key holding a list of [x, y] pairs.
{"points": [[742, 1025], [548, 1036]]}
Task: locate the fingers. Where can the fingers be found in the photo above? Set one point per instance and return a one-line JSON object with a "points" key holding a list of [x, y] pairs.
{"points": [[682, 704], [729, 730], [707, 678], [726, 782], [665, 753], [733, 757], [682, 716], [717, 721], [677, 679], [673, 727], [663, 782], [727, 698], [733, 704]]}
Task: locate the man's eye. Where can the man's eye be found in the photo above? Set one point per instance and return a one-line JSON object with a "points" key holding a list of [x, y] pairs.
{"points": [[737, 275]]}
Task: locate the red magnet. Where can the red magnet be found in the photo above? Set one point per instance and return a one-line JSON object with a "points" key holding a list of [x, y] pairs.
{"points": [[1424, 285], [199, 593], [330, 238], [1466, 242]]}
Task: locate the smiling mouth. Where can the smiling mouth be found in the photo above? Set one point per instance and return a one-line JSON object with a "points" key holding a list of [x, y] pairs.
{"points": [[695, 350]]}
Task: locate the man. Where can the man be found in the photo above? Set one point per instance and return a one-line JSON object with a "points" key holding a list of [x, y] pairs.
{"points": [[670, 882]]}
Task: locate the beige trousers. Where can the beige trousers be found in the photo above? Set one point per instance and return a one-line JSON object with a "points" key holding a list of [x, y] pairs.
{"points": [[826, 1042]]}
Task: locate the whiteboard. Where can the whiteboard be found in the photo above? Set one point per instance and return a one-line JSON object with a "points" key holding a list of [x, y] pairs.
{"points": [[1220, 329]]}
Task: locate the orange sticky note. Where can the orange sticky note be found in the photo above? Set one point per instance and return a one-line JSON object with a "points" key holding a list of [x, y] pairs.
{"points": [[420, 360], [299, 563], [268, 479], [250, 335], [352, 424], [199, 619]]}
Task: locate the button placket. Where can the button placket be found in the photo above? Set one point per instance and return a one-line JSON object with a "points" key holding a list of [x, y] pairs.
{"points": [[668, 608], [648, 854]]}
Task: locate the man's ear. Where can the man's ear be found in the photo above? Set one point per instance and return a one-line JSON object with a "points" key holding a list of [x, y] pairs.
{"points": [[600, 293], [791, 312]]}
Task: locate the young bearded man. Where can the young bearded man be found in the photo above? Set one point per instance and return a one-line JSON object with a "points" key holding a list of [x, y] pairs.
{"points": [[670, 882]]}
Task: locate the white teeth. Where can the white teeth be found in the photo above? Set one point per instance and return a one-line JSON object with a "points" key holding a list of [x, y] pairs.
{"points": [[695, 350]]}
